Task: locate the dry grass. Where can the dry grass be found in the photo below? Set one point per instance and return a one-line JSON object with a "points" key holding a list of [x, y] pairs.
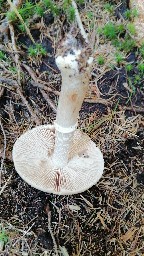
{"points": [[113, 129], [114, 206]]}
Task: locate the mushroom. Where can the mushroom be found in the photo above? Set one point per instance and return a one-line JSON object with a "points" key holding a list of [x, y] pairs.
{"points": [[59, 158]]}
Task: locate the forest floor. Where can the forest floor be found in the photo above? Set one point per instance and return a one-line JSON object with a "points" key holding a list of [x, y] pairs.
{"points": [[108, 218]]}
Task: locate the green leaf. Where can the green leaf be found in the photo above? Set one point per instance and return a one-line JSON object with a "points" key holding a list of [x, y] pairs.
{"points": [[3, 236]]}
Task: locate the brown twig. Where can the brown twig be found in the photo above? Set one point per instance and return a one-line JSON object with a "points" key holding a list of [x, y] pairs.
{"points": [[41, 87], [79, 22], [44, 87], [9, 81], [34, 116], [1, 91], [3, 48], [50, 67], [25, 102], [38, 83], [14, 47], [31, 72], [51, 233], [5, 185], [4, 29], [135, 109], [4, 150], [49, 101]]}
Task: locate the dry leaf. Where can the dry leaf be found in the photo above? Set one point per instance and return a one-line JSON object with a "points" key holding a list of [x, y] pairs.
{"points": [[129, 234]]}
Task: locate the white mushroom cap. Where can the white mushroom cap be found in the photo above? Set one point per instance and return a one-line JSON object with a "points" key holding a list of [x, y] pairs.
{"points": [[32, 158]]}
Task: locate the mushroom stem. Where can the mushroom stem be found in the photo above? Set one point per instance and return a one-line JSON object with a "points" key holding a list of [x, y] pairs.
{"points": [[74, 67]]}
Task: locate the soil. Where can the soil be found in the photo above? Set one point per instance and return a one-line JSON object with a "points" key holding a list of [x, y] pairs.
{"points": [[106, 219]]}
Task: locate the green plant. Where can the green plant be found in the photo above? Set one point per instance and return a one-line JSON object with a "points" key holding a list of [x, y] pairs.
{"points": [[1, 3], [51, 6], [36, 51], [131, 28], [141, 50], [13, 69], [127, 14], [2, 55], [117, 43], [69, 10], [132, 89], [80, 1], [32, 52], [127, 44], [120, 35], [71, 13], [3, 239], [120, 29], [130, 14], [3, 236], [137, 79], [22, 26], [140, 67], [135, 13], [119, 57], [66, 4], [109, 7], [27, 10], [30, 8], [90, 15], [11, 16], [129, 67], [100, 60], [39, 9], [109, 31]]}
